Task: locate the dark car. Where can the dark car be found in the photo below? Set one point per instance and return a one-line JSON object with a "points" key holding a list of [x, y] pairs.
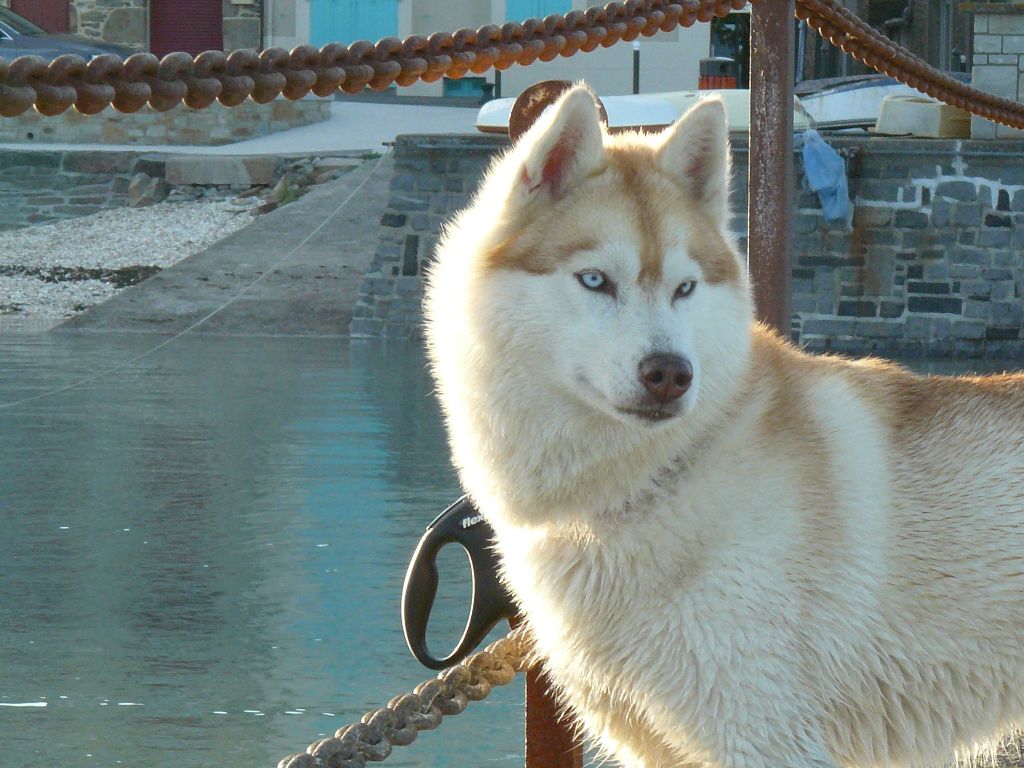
{"points": [[20, 37]]}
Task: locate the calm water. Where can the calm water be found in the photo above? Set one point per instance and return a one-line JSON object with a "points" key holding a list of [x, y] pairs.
{"points": [[203, 552]]}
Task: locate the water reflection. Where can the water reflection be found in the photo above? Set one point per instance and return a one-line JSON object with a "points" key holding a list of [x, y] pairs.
{"points": [[203, 552]]}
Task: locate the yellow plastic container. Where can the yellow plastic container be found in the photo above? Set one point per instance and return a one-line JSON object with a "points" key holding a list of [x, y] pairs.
{"points": [[919, 116]]}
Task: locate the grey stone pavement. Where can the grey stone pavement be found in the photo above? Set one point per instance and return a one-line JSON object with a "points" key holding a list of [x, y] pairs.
{"points": [[295, 271]]}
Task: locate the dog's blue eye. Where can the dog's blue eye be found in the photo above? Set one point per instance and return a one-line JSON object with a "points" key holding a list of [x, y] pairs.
{"points": [[593, 280], [685, 289]]}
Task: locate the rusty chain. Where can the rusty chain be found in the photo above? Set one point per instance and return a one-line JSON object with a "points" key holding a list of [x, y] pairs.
{"points": [[398, 724], [53, 87]]}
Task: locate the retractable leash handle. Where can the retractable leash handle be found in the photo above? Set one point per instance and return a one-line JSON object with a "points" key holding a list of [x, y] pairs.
{"points": [[461, 524]]}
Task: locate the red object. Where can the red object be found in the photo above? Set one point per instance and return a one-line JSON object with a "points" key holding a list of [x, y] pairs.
{"points": [[51, 15], [713, 82], [192, 26], [549, 735]]}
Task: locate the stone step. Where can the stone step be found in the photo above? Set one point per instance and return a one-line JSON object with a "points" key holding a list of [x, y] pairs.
{"points": [[239, 171]]}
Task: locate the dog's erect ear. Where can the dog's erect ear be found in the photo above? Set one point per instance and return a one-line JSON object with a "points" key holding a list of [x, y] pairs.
{"points": [[562, 147], [696, 150]]}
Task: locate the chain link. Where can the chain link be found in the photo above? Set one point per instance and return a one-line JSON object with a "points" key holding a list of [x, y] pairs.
{"points": [[53, 87], [398, 724]]}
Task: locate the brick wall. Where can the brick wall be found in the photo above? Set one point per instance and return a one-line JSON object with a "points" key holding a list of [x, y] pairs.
{"points": [[932, 264]]}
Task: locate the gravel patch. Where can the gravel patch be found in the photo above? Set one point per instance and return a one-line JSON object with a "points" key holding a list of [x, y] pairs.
{"points": [[60, 269], [30, 297]]}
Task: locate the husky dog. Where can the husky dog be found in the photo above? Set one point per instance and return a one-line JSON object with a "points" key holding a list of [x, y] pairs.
{"points": [[730, 553]]}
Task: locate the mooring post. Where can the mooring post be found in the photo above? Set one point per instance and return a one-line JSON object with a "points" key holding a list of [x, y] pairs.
{"points": [[770, 187], [550, 741]]}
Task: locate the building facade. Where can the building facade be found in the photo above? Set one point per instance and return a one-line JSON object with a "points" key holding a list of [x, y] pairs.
{"points": [[160, 26], [668, 61], [939, 31]]}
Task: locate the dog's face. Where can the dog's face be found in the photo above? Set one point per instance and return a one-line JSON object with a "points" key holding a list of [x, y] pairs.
{"points": [[611, 276]]}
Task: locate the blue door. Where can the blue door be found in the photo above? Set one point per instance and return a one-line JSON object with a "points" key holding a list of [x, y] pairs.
{"points": [[517, 10], [345, 21]]}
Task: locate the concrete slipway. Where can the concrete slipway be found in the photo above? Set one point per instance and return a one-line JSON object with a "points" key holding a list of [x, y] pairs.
{"points": [[296, 270]]}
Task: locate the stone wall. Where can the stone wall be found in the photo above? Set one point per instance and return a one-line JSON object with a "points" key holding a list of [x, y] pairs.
{"points": [[39, 187], [434, 177], [216, 124], [998, 60], [243, 24], [932, 264], [114, 21]]}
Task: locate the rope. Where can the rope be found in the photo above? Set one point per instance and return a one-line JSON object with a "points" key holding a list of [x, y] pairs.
{"points": [[399, 723], [53, 87]]}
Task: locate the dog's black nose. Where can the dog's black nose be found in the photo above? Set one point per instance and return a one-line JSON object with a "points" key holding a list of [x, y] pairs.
{"points": [[666, 377]]}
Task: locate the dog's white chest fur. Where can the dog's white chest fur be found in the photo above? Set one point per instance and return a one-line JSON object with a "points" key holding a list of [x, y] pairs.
{"points": [[688, 610]]}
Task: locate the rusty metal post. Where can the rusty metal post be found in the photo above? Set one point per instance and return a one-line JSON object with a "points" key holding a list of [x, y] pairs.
{"points": [[550, 742], [549, 738], [770, 188]]}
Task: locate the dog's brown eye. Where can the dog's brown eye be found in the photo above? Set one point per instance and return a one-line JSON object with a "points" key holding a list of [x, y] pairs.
{"points": [[685, 289]]}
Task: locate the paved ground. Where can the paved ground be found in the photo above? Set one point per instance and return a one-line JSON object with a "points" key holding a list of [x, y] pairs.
{"points": [[352, 126], [292, 281]]}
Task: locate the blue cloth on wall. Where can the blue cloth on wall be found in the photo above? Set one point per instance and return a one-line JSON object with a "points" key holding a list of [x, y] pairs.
{"points": [[825, 171]]}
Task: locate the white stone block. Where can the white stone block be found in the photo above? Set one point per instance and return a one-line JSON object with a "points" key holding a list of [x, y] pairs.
{"points": [[988, 44], [980, 24], [205, 169], [1013, 44], [1004, 23], [997, 80], [1005, 132], [982, 128]]}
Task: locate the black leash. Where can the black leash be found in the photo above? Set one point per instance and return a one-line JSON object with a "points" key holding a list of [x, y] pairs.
{"points": [[461, 524]]}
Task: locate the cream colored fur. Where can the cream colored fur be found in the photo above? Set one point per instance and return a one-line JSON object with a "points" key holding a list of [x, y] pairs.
{"points": [[816, 562]]}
